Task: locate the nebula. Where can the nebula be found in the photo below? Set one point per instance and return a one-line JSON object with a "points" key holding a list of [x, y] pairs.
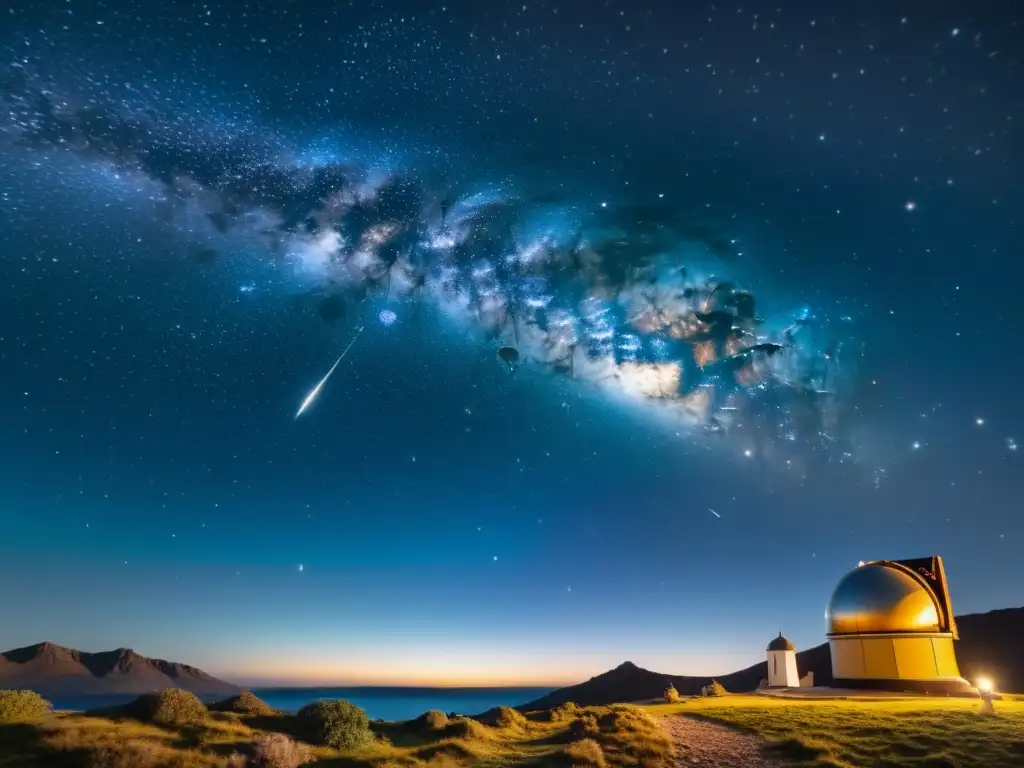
{"points": [[639, 299]]}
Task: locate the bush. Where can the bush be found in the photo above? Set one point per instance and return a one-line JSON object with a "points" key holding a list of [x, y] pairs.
{"points": [[714, 689], [22, 705], [335, 724], [586, 752], [275, 750], [562, 712], [171, 706], [434, 720], [506, 717], [468, 729], [584, 726], [671, 695], [245, 703]]}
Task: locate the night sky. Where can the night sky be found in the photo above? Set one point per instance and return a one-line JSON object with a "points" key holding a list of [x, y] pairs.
{"points": [[759, 264]]}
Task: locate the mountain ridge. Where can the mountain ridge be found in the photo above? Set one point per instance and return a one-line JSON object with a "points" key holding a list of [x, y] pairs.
{"points": [[56, 671]]}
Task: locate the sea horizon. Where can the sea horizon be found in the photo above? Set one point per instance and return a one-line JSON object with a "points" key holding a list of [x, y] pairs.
{"points": [[391, 703]]}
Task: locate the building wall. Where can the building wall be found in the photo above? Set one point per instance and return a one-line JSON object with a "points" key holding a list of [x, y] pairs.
{"points": [[894, 657], [782, 669]]}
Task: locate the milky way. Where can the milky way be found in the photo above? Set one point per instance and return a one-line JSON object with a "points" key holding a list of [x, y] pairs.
{"points": [[636, 298]]}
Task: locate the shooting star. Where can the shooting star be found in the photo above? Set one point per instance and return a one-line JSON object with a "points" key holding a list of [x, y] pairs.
{"points": [[713, 512], [316, 390]]}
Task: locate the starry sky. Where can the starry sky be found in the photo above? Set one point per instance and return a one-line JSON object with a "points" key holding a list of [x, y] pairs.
{"points": [[655, 321]]}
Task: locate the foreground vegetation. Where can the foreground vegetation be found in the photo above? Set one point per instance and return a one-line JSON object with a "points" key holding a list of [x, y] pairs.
{"points": [[167, 731], [861, 734], [173, 729]]}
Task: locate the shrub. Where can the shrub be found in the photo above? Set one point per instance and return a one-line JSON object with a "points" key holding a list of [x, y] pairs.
{"points": [[245, 703], [171, 706], [22, 705], [506, 717], [566, 711], [468, 729], [434, 720], [584, 726], [586, 752], [671, 694], [335, 724], [714, 689], [275, 750]]}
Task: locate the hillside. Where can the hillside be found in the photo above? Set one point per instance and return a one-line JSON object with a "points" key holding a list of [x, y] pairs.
{"points": [[989, 646], [55, 671]]}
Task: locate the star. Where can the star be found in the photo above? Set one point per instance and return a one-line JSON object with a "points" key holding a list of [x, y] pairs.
{"points": [[915, 445], [301, 568], [910, 205]]}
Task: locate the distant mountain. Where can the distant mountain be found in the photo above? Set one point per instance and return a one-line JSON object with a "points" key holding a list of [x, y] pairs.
{"points": [[989, 646], [55, 671]]}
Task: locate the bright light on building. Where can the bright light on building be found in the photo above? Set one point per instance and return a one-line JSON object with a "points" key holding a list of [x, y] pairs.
{"points": [[984, 684]]}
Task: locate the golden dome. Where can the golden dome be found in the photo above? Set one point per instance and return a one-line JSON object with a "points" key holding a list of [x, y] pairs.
{"points": [[882, 597]]}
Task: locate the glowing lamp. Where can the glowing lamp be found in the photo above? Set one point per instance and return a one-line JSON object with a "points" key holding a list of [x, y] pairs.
{"points": [[985, 688]]}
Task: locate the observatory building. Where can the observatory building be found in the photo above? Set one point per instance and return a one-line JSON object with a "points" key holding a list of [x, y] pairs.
{"points": [[891, 627]]}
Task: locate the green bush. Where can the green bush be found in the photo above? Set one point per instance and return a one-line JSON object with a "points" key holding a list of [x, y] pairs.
{"points": [[275, 750], [671, 694], [245, 703], [171, 706], [18, 706], [586, 753], [434, 720], [714, 689], [335, 724]]}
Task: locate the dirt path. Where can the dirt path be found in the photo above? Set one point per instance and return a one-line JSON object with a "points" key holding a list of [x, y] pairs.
{"points": [[699, 742]]}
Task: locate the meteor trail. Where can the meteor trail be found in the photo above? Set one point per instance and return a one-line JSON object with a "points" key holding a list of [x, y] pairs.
{"points": [[713, 512], [316, 390]]}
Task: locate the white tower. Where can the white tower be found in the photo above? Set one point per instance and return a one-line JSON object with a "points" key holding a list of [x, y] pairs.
{"points": [[782, 664]]}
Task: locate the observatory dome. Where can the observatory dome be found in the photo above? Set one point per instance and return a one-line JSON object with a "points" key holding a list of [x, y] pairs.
{"points": [[882, 597]]}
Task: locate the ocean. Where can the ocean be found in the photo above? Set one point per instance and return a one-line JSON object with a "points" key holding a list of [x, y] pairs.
{"points": [[383, 703], [404, 703]]}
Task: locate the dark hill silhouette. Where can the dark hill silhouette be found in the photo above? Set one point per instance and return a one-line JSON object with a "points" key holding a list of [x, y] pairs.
{"points": [[989, 646], [55, 671]]}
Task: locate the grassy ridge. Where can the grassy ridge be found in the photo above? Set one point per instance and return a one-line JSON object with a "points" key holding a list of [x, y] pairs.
{"points": [[592, 737], [864, 734]]}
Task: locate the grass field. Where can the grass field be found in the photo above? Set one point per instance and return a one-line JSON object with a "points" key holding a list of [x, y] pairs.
{"points": [[864, 734], [931, 733], [590, 737]]}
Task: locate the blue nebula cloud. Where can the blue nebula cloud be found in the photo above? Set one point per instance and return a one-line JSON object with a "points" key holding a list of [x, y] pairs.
{"points": [[636, 298]]}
